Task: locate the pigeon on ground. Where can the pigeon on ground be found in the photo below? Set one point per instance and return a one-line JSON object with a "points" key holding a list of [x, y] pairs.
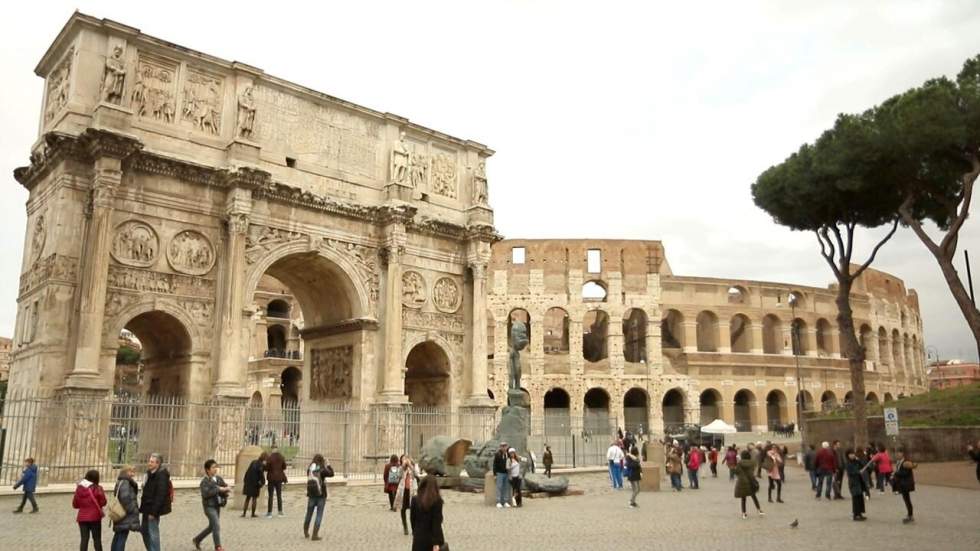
{"points": [[795, 523]]}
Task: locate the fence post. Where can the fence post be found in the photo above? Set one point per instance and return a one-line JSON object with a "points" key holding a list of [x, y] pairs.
{"points": [[573, 451], [346, 448]]}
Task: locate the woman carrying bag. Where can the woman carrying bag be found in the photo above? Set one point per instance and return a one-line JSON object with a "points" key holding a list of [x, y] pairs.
{"points": [[89, 500], [409, 479], [316, 494], [124, 510], [426, 510]]}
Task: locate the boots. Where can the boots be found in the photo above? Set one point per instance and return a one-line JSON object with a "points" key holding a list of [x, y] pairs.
{"points": [[316, 534], [306, 529]]}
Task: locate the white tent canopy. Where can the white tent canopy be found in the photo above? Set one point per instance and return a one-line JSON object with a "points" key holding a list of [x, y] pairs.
{"points": [[718, 427]]}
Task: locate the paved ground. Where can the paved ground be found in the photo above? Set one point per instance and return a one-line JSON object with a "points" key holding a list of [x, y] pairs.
{"points": [[357, 518]]}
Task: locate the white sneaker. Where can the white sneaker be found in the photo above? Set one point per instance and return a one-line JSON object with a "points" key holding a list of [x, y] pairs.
{"points": [[499, 506], [506, 504], [268, 515]]}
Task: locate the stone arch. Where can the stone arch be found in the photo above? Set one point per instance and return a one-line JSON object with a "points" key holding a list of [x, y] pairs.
{"points": [[428, 374], [556, 326], [888, 397], [737, 294], [672, 329], [872, 398], [276, 340], [595, 336], [897, 355], [828, 400], [883, 352], [798, 337], [772, 337], [636, 408], [595, 413], [171, 308], [594, 291], [290, 384], [557, 412], [745, 416], [849, 398], [825, 340], [707, 331], [673, 403], [635, 335], [277, 308], [710, 401], [337, 281], [776, 410], [740, 329]]}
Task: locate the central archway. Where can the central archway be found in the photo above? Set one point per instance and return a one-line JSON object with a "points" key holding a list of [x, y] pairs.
{"points": [[744, 410], [710, 400], [595, 418], [635, 411], [557, 413], [427, 376], [673, 409]]}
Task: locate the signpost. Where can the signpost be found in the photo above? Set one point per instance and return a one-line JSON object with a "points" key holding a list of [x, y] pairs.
{"points": [[891, 421]]}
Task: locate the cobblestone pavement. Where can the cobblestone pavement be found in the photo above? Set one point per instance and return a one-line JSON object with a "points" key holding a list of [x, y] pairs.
{"points": [[357, 518]]}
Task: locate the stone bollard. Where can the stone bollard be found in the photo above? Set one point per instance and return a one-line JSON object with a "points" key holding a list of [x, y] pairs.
{"points": [[653, 467], [245, 457], [489, 489]]}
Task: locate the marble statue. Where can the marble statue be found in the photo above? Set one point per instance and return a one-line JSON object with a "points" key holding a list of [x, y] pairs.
{"points": [[518, 341]]}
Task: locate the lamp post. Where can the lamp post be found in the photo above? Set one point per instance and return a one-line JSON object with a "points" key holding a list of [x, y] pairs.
{"points": [[795, 335]]}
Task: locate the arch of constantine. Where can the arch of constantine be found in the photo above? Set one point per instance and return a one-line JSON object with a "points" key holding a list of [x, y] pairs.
{"points": [[271, 247]]}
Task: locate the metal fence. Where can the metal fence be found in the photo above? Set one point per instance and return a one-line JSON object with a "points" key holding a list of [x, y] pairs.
{"points": [[68, 435], [581, 440]]}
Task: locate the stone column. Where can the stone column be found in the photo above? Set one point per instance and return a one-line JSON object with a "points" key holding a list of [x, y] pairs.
{"points": [[393, 388], [727, 411], [724, 336], [757, 339], [108, 150], [809, 338], [231, 371], [690, 336], [478, 358]]}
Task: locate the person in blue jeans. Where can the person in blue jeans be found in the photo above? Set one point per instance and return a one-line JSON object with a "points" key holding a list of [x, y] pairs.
{"points": [[28, 480], [316, 494], [500, 476], [155, 501], [615, 456], [214, 496]]}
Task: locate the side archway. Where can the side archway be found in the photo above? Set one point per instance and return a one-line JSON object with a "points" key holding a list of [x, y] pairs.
{"points": [[710, 405], [673, 409], [636, 407]]}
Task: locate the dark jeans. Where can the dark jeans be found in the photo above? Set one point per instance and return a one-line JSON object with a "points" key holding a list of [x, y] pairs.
{"points": [[254, 501], [119, 541], [908, 502], [692, 477], [754, 500], [838, 482], [28, 496], [391, 500], [857, 505], [515, 484], [95, 530], [714, 470], [813, 479], [406, 497], [318, 504], [731, 473], [214, 526], [824, 478], [675, 481], [778, 484], [547, 472], [883, 480], [277, 488]]}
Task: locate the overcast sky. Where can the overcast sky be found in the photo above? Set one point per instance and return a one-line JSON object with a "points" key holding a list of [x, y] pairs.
{"points": [[610, 119]]}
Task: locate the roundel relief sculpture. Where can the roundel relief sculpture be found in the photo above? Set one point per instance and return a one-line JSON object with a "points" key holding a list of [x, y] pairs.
{"points": [[414, 294], [190, 253], [446, 295], [135, 244]]}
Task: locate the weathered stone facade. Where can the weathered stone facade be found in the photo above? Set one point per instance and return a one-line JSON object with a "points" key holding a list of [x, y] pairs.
{"points": [[688, 348], [166, 183]]}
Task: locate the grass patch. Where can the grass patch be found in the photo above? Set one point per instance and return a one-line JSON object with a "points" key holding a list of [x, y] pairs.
{"points": [[957, 406]]}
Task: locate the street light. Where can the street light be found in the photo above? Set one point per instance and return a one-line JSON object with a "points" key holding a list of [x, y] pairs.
{"points": [[795, 336]]}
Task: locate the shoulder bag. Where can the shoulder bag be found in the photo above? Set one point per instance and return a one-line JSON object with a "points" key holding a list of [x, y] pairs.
{"points": [[116, 510]]}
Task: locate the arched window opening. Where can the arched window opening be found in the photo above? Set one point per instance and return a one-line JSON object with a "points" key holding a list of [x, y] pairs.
{"points": [[595, 330], [556, 326], [707, 332], [635, 336]]}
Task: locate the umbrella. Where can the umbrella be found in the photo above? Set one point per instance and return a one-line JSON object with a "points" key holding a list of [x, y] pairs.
{"points": [[718, 427]]}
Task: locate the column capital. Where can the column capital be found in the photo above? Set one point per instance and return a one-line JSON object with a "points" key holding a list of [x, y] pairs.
{"points": [[479, 269], [237, 223]]}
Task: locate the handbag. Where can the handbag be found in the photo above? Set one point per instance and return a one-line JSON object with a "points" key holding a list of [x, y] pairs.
{"points": [[116, 510], [753, 484]]}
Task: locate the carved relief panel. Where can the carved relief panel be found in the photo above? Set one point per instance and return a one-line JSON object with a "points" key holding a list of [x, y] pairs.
{"points": [[331, 372], [262, 239], [58, 86], [414, 292], [201, 102], [191, 253], [38, 238], [154, 94], [446, 295], [135, 244], [444, 178]]}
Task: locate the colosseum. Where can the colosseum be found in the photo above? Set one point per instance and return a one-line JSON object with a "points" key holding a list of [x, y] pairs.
{"points": [[617, 339]]}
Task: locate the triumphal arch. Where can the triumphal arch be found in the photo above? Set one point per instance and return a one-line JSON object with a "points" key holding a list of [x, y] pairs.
{"points": [[165, 184]]}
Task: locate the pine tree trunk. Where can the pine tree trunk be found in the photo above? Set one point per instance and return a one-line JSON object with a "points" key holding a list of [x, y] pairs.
{"points": [[855, 358], [960, 294]]}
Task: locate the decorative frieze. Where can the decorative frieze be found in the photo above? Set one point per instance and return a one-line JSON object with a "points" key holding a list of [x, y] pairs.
{"points": [[201, 105], [190, 253], [147, 281], [446, 295], [439, 321], [38, 237], [262, 239], [55, 267], [414, 292], [331, 372], [154, 94], [365, 260], [444, 174], [58, 86], [135, 243]]}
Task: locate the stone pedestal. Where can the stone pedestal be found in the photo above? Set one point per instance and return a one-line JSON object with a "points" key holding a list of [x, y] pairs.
{"points": [[515, 421], [653, 467], [489, 489], [110, 115]]}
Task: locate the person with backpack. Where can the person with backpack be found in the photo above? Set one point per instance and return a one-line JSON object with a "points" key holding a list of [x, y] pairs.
{"points": [[731, 461], [390, 475], [634, 473], [316, 494], [713, 461], [156, 502], [275, 467], [126, 503], [89, 499], [214, 496], [253, 481], [28, 480], [409, 477], [693, 464]]}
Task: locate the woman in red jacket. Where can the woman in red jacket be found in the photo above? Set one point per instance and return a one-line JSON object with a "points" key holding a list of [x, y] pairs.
{"points": [[89, 500]]}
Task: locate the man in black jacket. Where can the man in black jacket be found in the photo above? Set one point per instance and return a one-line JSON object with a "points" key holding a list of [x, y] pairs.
{"points": [[500, 476], [841, 466], [155, 501]]}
